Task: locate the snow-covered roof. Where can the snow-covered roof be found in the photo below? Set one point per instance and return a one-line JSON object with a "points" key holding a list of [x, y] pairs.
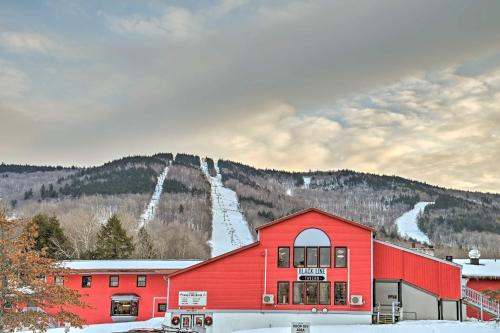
{"points": [[136, 265], [487, 268]]}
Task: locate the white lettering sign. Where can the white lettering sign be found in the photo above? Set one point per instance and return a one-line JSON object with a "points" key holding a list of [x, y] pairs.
{"points": [[193, 298], [300, 327], [311, 274]]}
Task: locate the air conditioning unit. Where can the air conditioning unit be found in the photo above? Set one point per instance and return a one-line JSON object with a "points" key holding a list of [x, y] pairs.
{"points": [[357, 300], [268, 299]]}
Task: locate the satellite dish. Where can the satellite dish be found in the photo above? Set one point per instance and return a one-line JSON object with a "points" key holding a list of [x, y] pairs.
{"points": [[474, 254]]}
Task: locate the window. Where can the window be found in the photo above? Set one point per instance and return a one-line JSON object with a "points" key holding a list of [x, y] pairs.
{"points": [[113, 281], [340, 293], [124, 308], [312, 256], [86, 281], [141, 280], [162, 307], [298, 293], [59, 281], [324, 257], [311, 292], [283, 257], [324, 293], [341, 257], [283, 292], [299, 259]]}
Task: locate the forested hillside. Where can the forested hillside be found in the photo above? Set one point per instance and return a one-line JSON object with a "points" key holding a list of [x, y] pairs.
{"points": [[83, 199]]}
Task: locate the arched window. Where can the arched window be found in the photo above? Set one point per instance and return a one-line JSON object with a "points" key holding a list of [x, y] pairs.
{"points": [[312, 248]]}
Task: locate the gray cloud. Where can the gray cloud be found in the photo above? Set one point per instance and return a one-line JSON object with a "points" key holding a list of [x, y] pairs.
{"points": [[292, 85]]}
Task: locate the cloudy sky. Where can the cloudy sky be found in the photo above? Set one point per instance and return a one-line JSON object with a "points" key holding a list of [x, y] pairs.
{"points": [[395, 87]]}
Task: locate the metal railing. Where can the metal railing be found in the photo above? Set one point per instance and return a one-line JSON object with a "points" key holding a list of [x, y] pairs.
{"points": [[388, 313], [481, 301]]}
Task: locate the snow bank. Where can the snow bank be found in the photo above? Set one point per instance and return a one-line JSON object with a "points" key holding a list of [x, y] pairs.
{"points": [[421, 326], [408, 226], [486, 268], [128, 264], [115, 327], [229, 228], [149, 212]]}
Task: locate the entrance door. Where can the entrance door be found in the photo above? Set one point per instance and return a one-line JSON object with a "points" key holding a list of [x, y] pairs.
{"points": [[192, 320]]}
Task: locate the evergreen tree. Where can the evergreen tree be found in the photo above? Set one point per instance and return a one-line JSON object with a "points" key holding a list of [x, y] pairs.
{"points": [[28, 194], [51, 237], [145, 248], [113, 242], [42, 191]]}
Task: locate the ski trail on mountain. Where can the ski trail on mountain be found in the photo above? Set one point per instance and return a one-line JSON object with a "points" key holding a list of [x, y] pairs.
{"points": [[408, 223], [149, 212], [229, 228]]}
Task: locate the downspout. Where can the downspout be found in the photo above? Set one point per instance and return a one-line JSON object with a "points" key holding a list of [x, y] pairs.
{"points": [[168, 293], [265, 271], [349, 276]]}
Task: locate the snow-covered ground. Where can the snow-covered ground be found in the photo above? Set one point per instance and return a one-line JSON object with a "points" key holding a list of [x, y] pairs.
{"points": [[422, 326], [149, 212], [407, 223], [111, 328], [229, 228]]}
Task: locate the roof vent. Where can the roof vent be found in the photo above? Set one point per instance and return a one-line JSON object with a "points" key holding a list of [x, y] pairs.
{"points": [[474, 256]]}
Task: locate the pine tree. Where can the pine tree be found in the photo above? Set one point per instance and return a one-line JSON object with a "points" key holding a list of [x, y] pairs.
{"points": [[42, 191], [26, 277], [113, 242], [51, 237], [145, 248]]}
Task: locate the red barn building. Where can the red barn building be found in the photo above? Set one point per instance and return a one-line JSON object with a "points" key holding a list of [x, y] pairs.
{"points": [[315, 267], [121, 290]]}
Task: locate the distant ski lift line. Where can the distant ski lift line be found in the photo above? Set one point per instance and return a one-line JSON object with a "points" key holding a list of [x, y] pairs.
{"points": [[149, 213], [229, 228]]}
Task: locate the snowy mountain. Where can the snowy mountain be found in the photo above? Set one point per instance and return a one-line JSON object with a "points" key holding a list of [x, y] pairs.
{"points": [[196, 207]]}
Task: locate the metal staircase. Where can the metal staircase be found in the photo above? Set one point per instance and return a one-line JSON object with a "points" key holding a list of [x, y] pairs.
{"points": [[481, 301]]}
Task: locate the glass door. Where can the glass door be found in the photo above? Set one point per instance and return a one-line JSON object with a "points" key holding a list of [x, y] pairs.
{"points": [[186, 321]]}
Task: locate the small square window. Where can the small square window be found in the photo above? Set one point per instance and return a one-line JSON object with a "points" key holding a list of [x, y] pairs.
{"points": [[141, 280], [86, 281], [59, 281], [113, 281], [162, 307]]}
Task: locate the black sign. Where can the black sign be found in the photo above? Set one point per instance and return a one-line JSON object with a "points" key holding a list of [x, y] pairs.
{"points": [[311, 278]]}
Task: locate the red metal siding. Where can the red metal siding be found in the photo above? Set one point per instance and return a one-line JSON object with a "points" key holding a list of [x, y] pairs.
{"points": [[237, 281], [98, 296], [439, 278]]}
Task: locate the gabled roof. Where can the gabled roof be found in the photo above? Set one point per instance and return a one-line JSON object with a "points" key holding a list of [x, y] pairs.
{"points": [[309, 210], [222, 256]]}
